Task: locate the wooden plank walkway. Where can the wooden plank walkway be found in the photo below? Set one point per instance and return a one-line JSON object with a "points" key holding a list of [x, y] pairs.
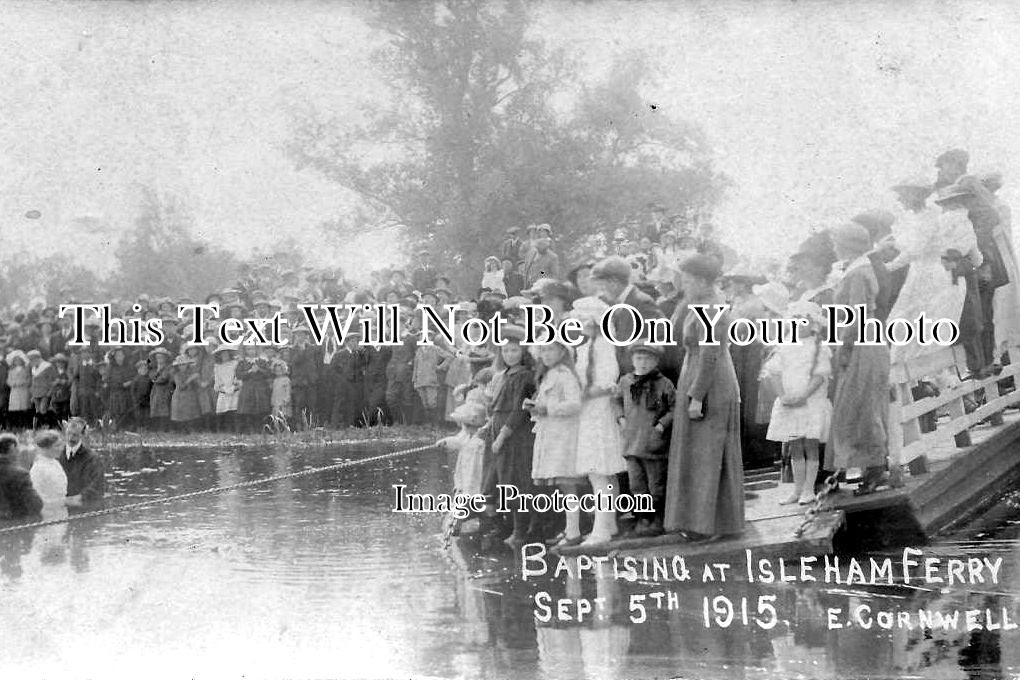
{"points": [[972, 454]]}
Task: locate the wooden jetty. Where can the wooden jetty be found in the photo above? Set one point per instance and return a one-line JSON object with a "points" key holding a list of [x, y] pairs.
{"points": [[955, 453]]}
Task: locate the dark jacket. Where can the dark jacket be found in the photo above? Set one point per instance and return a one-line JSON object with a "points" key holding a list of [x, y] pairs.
{"points": [[646, 402], [17, 497], [85, 475], [623, 324], [304, 366]]}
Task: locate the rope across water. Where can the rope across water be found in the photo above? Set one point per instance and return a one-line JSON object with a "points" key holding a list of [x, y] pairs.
{"points": [[216, 489]]}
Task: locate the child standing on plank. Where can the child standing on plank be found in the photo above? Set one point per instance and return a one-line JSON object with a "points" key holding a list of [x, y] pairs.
{"points": [[644, 401], [802, 412], [509, 427], [556, 410]]}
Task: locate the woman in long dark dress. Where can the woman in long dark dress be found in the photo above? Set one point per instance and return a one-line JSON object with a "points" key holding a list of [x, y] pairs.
{"points": [[859, 436], [757, 450], [705, 484]]}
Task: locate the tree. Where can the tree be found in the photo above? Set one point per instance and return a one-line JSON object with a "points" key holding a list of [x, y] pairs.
{"points": [[54, 279], [161, 257], [472, 144]]}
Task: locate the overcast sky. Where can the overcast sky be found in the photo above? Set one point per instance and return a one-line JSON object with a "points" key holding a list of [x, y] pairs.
{"points": [[812, 108]]}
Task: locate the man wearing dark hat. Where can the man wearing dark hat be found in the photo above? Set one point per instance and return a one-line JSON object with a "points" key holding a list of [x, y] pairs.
{"points": [[86, 481], [18, 499], [424, 276], [542, 262], [951, 165], [511, 248], [612, 275]]}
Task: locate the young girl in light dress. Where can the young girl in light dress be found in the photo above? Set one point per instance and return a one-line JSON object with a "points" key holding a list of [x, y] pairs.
{"points": [[470, 450], [226, 386], [801, 414], [599, 452], [280, 397], [556, 411]]}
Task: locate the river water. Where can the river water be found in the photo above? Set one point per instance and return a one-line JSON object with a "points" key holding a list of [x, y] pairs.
{"points": [[315, 577]]}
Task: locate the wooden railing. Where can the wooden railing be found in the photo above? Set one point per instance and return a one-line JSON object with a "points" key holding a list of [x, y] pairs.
{"points": [[909, 442]]}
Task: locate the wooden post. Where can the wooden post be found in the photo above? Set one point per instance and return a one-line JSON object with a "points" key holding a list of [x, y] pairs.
{"points": [[956, 410], [991, 394]]}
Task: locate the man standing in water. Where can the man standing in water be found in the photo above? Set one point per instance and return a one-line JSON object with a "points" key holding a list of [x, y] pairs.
{"points": [[86, 482], [17, 497]]}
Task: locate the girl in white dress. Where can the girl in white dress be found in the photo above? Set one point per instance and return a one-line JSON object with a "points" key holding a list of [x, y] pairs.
{"points": [[802, 413], [225, 383], [599, 453], [492, 277], [556, 409]]}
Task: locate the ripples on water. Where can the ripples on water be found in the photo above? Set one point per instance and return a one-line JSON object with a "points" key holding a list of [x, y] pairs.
{"points": [[315, 577]]}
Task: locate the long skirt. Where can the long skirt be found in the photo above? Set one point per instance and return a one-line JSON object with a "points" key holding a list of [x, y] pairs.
{"points": [[705, 483], [859, 436]]}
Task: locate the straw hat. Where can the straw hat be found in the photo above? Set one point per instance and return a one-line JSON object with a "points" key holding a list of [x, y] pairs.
{"points": [[914, 182], [805, 309], [226, 348], [16, 354], [743, 272], [775, 296], [514, 333], [588, 309], [159, 350], [470, 413], [183, 359], [852, 236], [954, 190]]}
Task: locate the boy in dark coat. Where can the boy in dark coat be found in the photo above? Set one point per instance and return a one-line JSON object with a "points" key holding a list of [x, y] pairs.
{"points": [[644, 404]]}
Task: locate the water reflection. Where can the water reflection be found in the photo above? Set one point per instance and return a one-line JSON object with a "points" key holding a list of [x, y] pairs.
{"points": [[313, 576]]}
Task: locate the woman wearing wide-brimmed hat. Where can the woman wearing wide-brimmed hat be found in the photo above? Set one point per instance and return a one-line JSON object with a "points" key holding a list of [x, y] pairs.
{"points": [[705, 483], [922, 240], [19, 380], [962, 255]]}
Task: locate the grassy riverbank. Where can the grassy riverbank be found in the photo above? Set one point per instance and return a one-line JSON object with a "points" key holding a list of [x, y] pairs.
{"points": [[305, 439], [113, 442]]}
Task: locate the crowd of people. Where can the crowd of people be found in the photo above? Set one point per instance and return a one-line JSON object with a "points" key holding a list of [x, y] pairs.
{"points": [[679, 423]]}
